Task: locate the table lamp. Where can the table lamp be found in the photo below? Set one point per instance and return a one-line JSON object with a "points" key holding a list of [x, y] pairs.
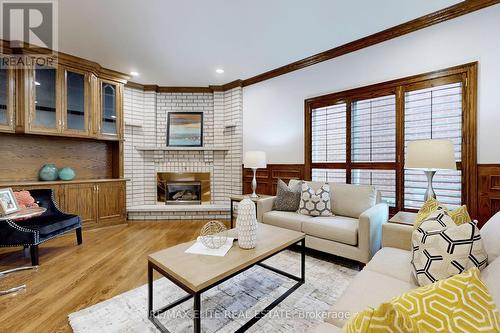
{"points": [[430, 156], [255, 160]]}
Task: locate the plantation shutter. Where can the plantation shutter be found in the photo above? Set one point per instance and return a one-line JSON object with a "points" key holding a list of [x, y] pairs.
{"points": [[434, 113]]}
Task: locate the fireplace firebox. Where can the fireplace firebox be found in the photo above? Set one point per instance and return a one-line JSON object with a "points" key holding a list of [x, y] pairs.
{"points": [[183, 188], [183, 193]]}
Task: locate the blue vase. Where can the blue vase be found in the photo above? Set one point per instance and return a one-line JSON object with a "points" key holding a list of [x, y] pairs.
{"points": [[67, 173], [48, 172]]}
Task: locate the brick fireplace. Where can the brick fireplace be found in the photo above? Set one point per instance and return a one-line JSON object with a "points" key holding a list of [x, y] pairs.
{"points": [[149, 163]]}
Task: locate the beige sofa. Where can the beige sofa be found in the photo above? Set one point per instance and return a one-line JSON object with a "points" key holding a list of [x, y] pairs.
{"points": [[388, 274], [355, 230]]}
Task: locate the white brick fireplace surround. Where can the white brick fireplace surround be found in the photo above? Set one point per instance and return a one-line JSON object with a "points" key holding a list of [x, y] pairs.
{"points": [[146, 153]]}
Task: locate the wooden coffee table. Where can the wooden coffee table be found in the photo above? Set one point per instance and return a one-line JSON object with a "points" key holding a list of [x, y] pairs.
{"points": [[198, 273]]}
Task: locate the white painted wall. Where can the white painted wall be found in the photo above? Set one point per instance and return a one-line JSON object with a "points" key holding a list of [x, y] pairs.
{"points": [[273, 110]]}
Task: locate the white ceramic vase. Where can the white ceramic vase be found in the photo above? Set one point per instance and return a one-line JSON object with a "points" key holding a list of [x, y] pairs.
{"points": [[246, 224]]}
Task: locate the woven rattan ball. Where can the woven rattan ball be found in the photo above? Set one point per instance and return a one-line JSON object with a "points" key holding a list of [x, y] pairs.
{"points": [[213, 234]]}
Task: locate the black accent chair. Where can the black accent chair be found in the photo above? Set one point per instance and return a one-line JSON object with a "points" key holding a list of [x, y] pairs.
{"points": [[32, 232]]}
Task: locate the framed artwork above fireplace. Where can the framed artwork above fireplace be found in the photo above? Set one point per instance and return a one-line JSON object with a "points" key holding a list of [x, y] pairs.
{"points": [[185, 129]]}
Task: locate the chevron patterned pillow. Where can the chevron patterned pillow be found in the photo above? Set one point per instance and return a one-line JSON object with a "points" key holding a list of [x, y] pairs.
{"points": [[461, 303], [441, 249]]}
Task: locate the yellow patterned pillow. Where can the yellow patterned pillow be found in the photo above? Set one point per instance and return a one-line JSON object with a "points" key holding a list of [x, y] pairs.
{"points": [[429, 207], [461, 303], [460, 215]]}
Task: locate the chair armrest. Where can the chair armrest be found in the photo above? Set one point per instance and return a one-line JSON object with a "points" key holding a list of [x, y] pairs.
{"points": [[370, 230], [397, 235], [263, 206], [12, 234]]}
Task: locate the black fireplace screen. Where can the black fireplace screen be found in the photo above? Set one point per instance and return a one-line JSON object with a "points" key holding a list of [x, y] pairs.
{"points": [[182, 192]]}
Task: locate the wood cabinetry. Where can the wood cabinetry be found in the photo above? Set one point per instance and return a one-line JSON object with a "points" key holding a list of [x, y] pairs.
{"points": [[98, 203], [65, 101], [7, 103]]}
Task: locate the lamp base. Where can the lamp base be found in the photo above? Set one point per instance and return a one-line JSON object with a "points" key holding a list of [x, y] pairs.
{"points": [[429, 193], [254, 184]]}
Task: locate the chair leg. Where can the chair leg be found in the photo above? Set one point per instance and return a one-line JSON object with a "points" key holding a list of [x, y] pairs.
{"points": [[34, 255], [79, 235]]}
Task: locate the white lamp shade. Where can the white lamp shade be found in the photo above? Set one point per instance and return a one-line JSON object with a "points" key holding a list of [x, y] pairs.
{"points": [[255, 159], [431, 155]]}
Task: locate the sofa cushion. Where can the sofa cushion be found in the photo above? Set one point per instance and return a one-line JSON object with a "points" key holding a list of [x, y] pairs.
{"points": [[288, 220], [393, 262], [368, 288], [442, 249], [459, 304], [347, 199], [490, 233], [352, 200], [287, 197], [46, 225], [491, 276], [336, 228], [315, 202]]}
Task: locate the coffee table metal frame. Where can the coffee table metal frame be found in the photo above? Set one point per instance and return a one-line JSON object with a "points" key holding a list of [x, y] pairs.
{"points": [[196, 295]]}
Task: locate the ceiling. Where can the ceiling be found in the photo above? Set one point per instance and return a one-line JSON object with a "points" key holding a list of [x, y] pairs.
{"points": [[182, 43]]}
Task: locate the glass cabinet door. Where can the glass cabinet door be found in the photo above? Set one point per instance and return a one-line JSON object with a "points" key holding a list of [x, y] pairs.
{"points": [[109, 109], [4, 98], [75, 102], [45, 99]]}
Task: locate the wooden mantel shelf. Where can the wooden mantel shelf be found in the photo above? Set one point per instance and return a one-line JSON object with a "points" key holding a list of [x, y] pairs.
{"points": [[153, 148], [61, 182]]}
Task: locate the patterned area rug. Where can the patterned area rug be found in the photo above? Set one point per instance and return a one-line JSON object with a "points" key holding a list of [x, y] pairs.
{"points": [[227, 306]]}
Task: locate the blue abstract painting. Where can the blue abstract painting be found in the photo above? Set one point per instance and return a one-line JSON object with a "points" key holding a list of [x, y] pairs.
{"points": [[185, 129]]}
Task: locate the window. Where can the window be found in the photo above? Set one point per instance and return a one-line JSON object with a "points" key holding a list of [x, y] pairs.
{"points": [[360, 136]]}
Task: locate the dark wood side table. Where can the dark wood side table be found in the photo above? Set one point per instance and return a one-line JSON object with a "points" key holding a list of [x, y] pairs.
{"points": [[405, 218], [239, 197]]}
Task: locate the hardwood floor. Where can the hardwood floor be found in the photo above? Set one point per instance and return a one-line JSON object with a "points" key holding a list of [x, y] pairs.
{"points": [[110, 261]]}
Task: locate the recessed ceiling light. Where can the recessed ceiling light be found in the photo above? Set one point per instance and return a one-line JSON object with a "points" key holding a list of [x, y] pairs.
{"points": [[219, 71], [37, 83], [134, 73]]}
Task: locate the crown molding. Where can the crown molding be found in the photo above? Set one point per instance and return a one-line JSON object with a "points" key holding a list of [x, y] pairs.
{"points": [[449, 13]]}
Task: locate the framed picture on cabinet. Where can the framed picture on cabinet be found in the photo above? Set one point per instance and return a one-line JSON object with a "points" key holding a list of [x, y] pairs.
{"points": [[185, 129], [8, 202]]}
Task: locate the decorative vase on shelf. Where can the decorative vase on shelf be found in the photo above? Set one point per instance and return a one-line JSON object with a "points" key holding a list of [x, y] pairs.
{"points": [[246, 224], [48, 172], [67, 173]]}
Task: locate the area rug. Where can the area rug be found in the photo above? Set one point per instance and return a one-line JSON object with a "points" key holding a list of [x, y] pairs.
{"points": [[229, 305]]}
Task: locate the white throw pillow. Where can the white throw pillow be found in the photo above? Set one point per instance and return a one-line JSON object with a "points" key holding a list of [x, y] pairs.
{"points": [[315, 203], [441, 249]]}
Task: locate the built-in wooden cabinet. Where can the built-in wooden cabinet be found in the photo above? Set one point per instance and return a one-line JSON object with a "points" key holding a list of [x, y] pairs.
{"points": [[64, 101], [98, 203], [7, 103], [110, 117], [76, 102]]}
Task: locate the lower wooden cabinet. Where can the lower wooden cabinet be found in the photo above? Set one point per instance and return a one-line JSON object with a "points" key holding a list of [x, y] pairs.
{"points": [[99, 203], [81, 200]]}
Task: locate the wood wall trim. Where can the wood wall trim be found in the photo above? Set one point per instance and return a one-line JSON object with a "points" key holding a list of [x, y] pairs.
{"points": [[267, 178], [164, 89], [422, 22]]}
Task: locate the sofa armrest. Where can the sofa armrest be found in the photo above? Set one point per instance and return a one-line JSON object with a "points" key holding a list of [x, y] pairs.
{"points": [[370, 230], [397, 235], [263, 206]]}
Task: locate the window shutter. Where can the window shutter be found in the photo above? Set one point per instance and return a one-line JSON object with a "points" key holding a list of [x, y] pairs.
{"points": [[329, 134], [373, 130], [434, 113]]}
